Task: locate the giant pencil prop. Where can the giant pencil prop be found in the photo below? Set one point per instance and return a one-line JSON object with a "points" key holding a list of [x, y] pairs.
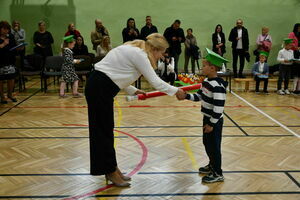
{"points": [[157, 93]]}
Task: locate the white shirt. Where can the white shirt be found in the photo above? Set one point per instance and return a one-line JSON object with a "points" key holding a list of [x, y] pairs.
{"points": [[284, 54], [170, 67], [239, 42], [261, 67], [125, 64], [219, 38]]}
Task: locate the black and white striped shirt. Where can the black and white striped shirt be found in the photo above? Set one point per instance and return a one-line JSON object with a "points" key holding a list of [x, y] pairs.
{"points": [[213, 95]]}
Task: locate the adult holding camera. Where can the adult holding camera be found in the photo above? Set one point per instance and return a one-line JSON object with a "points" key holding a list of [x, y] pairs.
{"points": [[165, 68], [190, 48], [175, 36], [98, 34], [130, 33]]}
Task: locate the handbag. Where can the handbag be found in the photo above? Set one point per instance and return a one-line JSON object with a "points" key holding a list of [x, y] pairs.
{"points": [[7, 70]]}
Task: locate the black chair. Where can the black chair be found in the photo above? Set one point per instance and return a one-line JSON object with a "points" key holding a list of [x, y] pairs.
{"points": [[85, 66], [32, 66], [53, 65]]}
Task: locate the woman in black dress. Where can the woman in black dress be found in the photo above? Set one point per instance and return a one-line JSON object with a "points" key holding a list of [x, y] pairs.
{"points": [[42, 40], [8, 70]]}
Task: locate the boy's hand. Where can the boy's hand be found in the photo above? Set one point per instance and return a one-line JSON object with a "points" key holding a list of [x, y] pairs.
{"points": [[180, 94], [207, 128]]}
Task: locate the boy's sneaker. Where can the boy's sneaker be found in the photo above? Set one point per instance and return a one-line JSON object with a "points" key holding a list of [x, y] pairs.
{"points": [[281, 92], [212, 178], [205, 170], [287, 91]]}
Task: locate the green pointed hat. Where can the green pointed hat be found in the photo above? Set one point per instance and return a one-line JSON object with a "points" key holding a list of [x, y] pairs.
{"points": [[69, 38], [263, 53], [214, 58], [288, 40]]}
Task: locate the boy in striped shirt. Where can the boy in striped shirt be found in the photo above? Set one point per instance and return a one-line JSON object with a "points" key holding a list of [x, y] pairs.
{"points": [[212, 96]]}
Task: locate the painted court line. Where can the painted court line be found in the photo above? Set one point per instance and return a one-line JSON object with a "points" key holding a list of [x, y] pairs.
{"points": [[266, 115]]}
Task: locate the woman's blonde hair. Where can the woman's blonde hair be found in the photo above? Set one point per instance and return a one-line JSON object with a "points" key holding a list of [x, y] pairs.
{"points": [[154, 42]]}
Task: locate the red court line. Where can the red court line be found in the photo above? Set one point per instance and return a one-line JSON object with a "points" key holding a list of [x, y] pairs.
{"points": [[149, 106], [134, 171]]}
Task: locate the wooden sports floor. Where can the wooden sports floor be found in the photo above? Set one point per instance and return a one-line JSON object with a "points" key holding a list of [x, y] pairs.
{"points": [[44, 150]]}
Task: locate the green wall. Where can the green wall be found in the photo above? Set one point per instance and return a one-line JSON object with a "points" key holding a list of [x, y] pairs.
{"points": [[201, 15]]}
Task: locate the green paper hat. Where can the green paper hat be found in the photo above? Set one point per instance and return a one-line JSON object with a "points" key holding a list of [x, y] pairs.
{"points": [[214, 58], [288, 40], [69, 38], [263, 53]]}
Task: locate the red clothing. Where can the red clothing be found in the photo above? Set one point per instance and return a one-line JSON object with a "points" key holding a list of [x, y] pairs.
{"points": [[75, 33], [295, 41]]}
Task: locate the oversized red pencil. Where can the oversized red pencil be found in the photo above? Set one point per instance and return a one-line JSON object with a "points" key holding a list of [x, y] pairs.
{"points": [[157, 93]]}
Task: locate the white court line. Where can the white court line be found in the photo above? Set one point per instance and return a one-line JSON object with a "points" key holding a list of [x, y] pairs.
{"points": [[268, 116]]}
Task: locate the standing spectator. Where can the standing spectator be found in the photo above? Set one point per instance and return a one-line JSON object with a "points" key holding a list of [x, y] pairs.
{"points": [[190, 45], [8, 70], [148, 28], [20, 36], [263, 42], [80, 48], [218, 40], [295, 35], [175, 36], [72, 31], [104, 47], [285, 57], [130, 32], [42, 40], [98, 34], [240, 46], [261, 71]]}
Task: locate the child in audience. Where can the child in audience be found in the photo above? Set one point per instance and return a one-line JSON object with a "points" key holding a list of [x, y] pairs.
{"points": [[68, 70], [165, 68], [261, 72], [285, 57]]}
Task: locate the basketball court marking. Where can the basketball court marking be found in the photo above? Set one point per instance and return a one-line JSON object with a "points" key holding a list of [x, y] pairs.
{"points": [[265, 114]]}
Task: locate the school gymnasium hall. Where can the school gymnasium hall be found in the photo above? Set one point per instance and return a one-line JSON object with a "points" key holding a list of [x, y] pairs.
{"points": [[44, 139]]}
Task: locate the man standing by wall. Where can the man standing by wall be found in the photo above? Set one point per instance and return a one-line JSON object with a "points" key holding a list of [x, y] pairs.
{"points": [[98, 33], [148, 28], [175, 36], [240, 46]]}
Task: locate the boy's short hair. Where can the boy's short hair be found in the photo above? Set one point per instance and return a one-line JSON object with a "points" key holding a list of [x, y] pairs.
{"points": [[217, 68]]}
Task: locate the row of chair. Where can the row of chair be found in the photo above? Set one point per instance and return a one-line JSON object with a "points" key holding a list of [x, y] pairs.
{"points": [[50, 67]]}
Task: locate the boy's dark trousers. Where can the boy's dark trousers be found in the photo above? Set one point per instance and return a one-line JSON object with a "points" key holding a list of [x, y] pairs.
{"points": [[212, 143], [265, 80], [284, 74]]}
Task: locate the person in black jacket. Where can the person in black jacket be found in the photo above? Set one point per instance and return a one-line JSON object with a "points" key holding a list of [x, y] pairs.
{"points": [[175, 36], [80, 48], [240, 46], [218, 40], [130, 32], [43, 40], [148, 28]]}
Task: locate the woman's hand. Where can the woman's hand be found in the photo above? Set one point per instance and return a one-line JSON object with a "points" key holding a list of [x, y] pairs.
{"points": [[180, 94]]}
